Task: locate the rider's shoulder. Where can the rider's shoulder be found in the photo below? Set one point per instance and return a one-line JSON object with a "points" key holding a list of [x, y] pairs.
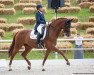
{"points": [[37, 12]]}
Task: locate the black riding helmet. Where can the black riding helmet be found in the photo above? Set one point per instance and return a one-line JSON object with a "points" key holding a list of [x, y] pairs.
{"points": [[38, 6]]}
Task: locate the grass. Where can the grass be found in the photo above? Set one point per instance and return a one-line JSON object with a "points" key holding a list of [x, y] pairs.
{"points": [[7, 35], [88, 54], [83, 16], [40, 55]]}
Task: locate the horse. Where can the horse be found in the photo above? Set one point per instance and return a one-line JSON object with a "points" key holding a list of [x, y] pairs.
{"points": [[22, 38]]}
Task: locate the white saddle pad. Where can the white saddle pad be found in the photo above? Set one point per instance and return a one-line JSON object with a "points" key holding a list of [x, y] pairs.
{"points": [[33, 36]]}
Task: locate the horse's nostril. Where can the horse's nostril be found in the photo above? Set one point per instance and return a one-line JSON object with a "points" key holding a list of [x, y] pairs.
{"points": [[67, 34]]}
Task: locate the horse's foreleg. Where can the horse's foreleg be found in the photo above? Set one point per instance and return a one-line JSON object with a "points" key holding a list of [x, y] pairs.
{"points": [[60, 52], [24, 54], [45, 58]]}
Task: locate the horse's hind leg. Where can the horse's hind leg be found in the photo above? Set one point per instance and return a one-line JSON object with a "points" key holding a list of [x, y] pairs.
{"points": [[24, 54], [15, 51]]}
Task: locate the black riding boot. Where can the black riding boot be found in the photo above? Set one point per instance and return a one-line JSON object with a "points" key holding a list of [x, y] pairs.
{"points": [[38, 40], [39, 36]]}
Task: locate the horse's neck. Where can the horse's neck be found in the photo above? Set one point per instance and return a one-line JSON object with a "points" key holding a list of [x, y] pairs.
{"points": [[54, 33], [54, 30]]}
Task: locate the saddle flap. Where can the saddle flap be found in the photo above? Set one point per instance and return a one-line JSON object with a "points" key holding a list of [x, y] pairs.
{"points": [[34, 36]]}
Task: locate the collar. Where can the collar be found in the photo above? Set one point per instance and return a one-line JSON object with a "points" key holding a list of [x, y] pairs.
{"points": [[40, 11]]}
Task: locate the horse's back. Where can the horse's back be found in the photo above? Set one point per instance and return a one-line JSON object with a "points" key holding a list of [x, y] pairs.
{"points": [[25, 31], [23, 34]]}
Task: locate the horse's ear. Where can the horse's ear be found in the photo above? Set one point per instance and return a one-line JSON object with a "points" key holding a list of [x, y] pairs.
{"points": [[71, 20], [68, 21]]}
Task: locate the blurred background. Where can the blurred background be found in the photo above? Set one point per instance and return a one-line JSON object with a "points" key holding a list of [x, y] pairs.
{"points": [[16, 15]]}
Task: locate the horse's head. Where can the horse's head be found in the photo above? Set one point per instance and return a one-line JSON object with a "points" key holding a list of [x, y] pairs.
{"points": [[63, 23], [67, 26]]}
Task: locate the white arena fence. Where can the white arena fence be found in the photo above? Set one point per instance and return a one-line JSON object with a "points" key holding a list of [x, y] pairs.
{"points": [[59, 40]]}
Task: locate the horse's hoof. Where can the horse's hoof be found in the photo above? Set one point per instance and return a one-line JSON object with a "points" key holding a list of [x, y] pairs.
{"points": [[68, 63], [10, 70], [29, 67], [43, 69]]}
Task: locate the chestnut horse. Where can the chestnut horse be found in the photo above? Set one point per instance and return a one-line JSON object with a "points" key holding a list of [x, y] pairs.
{"points": [[22, 38]]}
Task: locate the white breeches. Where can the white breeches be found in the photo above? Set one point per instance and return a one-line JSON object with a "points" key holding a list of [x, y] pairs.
{"points": [[39, 28]]}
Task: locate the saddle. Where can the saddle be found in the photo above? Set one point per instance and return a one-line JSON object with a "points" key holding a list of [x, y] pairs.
{"points": [[33, 34]]}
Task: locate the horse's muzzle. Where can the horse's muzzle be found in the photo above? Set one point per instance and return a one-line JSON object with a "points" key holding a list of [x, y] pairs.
{"points": [[66, 34]]}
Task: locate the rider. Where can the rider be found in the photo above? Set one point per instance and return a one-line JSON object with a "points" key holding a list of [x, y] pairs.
{"points": [[40, 23]]}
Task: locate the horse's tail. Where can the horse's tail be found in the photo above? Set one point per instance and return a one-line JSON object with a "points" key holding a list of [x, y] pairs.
{"points": [[12, 46]]}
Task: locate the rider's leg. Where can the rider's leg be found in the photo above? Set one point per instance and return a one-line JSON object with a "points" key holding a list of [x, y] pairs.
{"points": [[38, 38], [39, 34], [42, 30]]}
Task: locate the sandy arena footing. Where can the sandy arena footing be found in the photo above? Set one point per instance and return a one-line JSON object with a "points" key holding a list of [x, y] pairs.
{"points": [[52, 67]]}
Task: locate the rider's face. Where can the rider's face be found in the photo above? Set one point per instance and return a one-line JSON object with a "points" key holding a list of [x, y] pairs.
{"points": [[40, 9]]}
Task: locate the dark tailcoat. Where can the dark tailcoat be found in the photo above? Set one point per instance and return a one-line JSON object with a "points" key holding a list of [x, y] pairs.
{"points": [[39, 19]]}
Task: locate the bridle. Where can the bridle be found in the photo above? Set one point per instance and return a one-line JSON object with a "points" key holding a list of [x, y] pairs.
{"points": [[65, 27], [50, 26]]}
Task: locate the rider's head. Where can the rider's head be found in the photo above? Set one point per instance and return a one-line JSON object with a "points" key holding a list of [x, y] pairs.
{"points": [[39, 7]]}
